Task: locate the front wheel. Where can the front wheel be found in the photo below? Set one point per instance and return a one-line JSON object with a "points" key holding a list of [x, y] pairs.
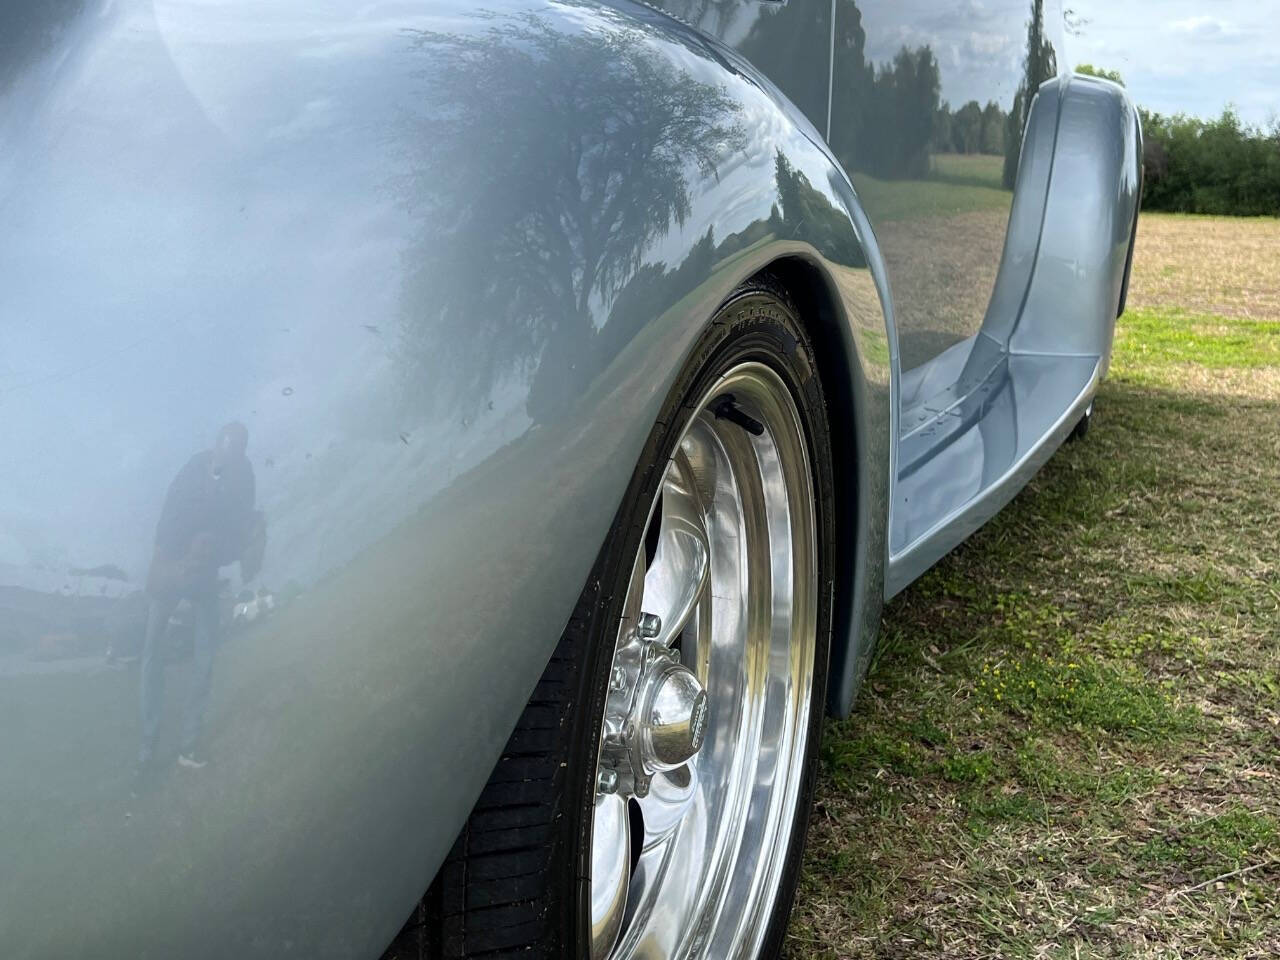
{"points": [[654, 797]]}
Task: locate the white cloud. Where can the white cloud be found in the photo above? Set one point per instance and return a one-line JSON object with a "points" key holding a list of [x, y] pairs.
{"points": [[1204, 28], [1176, 58], [986, 44]]}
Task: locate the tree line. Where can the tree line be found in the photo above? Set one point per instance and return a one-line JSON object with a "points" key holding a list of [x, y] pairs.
{"points": [[889, 118], [971, 129], [1217, 166], [899, 102], [1221, 166]]}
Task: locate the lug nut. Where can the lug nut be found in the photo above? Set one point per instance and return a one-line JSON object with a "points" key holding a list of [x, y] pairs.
{"points": [[607, 781], [650, 625]]}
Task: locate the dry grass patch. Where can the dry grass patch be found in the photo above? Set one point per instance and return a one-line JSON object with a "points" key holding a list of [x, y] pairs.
{"points": [[1215, 265], [946, 268]]}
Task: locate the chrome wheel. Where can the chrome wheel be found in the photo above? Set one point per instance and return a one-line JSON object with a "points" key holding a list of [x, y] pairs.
{"points": [[705, 726]]}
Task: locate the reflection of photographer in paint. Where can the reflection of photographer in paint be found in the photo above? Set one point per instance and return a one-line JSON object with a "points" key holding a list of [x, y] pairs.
{"points": [[207, 522]]}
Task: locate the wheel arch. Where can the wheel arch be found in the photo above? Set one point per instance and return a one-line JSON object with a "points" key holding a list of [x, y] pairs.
{"points": [[819, 307]]}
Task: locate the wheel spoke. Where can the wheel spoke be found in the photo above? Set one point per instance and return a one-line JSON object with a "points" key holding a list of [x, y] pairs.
{"points": [[668, 801], [631, 607], [677, 578], [610, 872]]}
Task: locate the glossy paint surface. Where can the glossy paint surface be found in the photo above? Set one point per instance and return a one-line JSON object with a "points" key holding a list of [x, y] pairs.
{"points": [[944, 115], [787, 42], [923, 105], [443, 264], [1001, 198], [927, 99]]}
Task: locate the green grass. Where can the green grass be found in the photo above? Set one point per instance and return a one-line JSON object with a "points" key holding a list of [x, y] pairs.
{"points": [[887, 201], [968, 169], [1216, 844], [1170, 335], [1067, 743], [958, 184]]}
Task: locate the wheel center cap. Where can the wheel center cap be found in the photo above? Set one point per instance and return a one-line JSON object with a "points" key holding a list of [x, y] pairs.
{"points": [[675, 722]]}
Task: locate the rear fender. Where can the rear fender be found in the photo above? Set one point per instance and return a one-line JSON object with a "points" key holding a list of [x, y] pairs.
{"points": [[1089, 219]]}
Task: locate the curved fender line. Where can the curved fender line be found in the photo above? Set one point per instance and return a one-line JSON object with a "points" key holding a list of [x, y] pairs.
{"points": [[866, 336], [876, 469], [1078, 277], [860, 600]]}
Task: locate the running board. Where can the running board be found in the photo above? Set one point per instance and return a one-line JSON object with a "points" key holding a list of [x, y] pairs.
{"points": [[968, 450]]}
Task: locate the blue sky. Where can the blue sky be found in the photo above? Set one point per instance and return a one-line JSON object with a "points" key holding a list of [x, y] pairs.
{"points": [[1193, 56]]}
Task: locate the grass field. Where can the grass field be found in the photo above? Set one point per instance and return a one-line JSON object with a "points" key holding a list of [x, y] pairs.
{"points": [[1067, 745], [958, 184]]}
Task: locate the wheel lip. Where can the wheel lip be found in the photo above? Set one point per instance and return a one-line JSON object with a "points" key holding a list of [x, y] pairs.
{"points": [[785, 394]]}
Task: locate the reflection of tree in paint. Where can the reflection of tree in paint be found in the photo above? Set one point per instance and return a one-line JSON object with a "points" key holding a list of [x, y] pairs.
{"points": [[804, 207], [883, 116], [572, 158], [802, 212], [781, 45], [905, 100], [971, 129], [1039, 65], [888, 118]]}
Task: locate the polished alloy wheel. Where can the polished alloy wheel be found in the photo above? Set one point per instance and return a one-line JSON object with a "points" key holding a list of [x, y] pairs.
{"points": [[703, 742]]}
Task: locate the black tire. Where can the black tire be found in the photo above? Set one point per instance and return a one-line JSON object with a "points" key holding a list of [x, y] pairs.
{"points": [[517, 882], [1081, 429]]}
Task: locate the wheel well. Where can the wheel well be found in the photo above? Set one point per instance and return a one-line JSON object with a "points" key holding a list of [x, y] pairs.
{"points": [[816, 302]]}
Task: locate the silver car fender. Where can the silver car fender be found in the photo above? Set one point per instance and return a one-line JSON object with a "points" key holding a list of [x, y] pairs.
{"points": [[444, 266]]}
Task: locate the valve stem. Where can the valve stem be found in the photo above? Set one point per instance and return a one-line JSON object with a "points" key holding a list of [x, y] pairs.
{"points": [[726, 408]]}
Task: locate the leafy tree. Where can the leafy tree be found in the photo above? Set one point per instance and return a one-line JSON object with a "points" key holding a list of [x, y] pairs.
{"points": [[912, 91], [855, 80], [1089, 70], [943, 129], [780, 43], [573, 157], [802, 211], [1039, 64], [807, 209], [899, 107], [967, 128], [887, 117], [993, 121], [1219, 166], [971, 129]]}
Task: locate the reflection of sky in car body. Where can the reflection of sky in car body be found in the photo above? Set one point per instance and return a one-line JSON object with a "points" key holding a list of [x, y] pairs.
{"points": [[178, 219], [297, 402], [169, 277], [979, 44]]}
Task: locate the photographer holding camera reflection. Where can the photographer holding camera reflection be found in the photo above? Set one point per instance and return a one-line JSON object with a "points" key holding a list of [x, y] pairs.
{"points": [[208, 521]]}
